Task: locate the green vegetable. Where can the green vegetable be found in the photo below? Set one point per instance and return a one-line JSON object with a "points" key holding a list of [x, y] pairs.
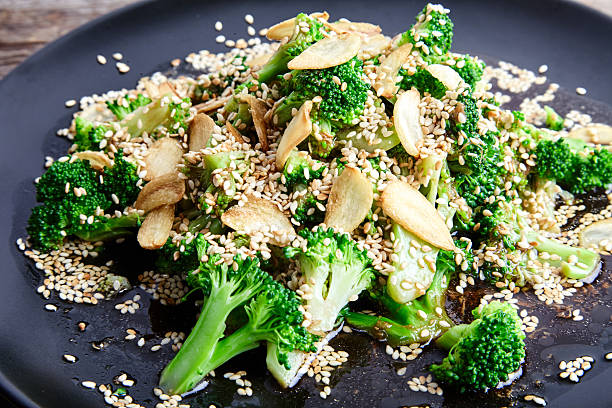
{"points": [[484, 353], [65, 211], [336, 271], [433, 28], [423, 81], [300, 168], [272, 312], [181, 257], [554, 121], [299, 41], [88, 136], [121, 110]]}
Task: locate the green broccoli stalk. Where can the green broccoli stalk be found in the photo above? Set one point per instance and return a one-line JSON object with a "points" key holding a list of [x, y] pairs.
{"points": [[335, 270], [127, 106], [419, 320], [554, 121], [343, 92], [484, 353], [528, 250], [87, 135], [272, 312], [299, 41], [166, 111], [72, 197], [433, 29], [423, 81]]}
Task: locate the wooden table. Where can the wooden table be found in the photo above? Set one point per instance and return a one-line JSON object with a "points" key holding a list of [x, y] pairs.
{"points": [[27, 25]]}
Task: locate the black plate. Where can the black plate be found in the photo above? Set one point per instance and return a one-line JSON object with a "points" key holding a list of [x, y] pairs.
{"points": [[572, 40]]}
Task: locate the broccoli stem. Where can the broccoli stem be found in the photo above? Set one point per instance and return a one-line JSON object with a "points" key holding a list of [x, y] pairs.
{"points": [[113, 228], [194, 359], [406, 325], [587, 261], [452, 336], [276, 65]]}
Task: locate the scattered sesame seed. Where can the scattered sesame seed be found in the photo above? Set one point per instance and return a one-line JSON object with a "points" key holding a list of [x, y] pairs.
{"points": [[249, 19], [581, 91], [118, 56], [70, 358], [70, 103], [88, 384], [101, 59], [218, 26], [122, 67], [220, 39], [543, 68], [51, 308]]}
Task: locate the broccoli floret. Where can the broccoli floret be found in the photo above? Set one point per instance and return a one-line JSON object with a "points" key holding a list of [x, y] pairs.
{"points": [[307, 211], [273, 315], [419, 320], [217, 178], [299, 41], [480, 174], [573, 165], [484, 353], [469, 68], [554, 121], [87, 135], [423, 81], [433, 28], [179, 257], [467, 116], [72, 197], [113, 284], [126, 106], [343, 93], [336, 271], [300, 168]]}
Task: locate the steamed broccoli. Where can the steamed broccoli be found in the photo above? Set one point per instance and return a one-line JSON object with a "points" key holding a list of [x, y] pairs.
{"points": [[74, 201], [423, 81], [467, 116], [336, 271], [554, 121], [343, 92], [217, 178], [299, 41], [484, 353], [168, 111], [229, 77], [573, 165], [272, 311], [419, 320], [179, 257], [127, 106], [300, 168], [469, 68], [523, 251], [87, 135], [433, 28]]}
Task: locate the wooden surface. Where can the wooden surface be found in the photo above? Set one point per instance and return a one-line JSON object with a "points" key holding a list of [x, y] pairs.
{"points": [[27, 25]]}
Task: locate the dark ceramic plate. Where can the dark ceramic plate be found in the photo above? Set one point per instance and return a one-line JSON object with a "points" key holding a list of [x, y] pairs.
{"points": [[572, 40]]}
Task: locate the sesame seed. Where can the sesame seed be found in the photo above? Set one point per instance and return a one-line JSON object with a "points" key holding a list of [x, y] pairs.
{"points": [[218, 26], [122, 67], [88, 384], [70, 358], [101, 59], [118, 56], [543, 68], [50, 307], [70, 103], [249, 19], [581, 91]]}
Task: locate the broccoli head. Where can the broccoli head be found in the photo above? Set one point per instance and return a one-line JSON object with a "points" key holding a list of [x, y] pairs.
{"points": [[484, 353], [72, 196], [423, 81], [87, 135], [299, 41], [181, 256], [125, 106], [335, 270], [433, 29]]}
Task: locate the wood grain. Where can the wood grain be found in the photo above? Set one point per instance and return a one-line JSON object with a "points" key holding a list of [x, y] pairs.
{"points": [[27, 25]]}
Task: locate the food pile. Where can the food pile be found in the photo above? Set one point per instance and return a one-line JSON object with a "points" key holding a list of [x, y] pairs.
{"points": [[336, 164]]}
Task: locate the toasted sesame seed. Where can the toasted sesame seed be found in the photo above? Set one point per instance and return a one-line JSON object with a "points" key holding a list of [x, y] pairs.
{"points": [[118, 56], [581, 91], [101, 59], [70, 103], [218, 26], [249, 19]]}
